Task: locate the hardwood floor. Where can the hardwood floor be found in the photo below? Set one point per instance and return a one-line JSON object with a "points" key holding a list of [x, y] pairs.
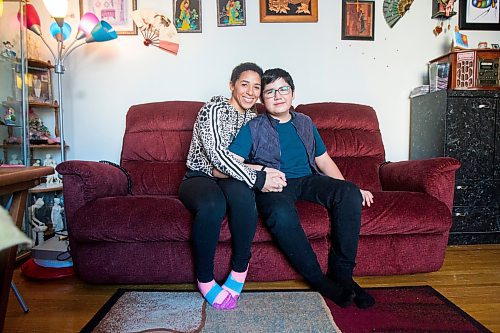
{"points": [[470, 278]]}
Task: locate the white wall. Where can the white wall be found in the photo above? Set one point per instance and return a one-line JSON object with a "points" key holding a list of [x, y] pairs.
{"points": [[103, 80]]}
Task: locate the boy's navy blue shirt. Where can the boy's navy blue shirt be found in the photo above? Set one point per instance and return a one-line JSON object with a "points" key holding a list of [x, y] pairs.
{"points": [[293, 161]]}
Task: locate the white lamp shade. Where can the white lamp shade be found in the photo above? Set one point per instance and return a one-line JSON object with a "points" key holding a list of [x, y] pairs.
{"points": [[57, 8]]}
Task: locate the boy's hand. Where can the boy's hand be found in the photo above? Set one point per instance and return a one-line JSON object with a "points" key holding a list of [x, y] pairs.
{"points": [[367, 197]]}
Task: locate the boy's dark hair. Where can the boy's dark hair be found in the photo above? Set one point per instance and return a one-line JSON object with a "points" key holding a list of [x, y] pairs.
{"points": [[243, 67], [274, 74]]}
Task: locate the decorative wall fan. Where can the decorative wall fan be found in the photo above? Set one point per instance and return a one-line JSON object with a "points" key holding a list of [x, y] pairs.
{"points": [[395, 9], [157, 29]]}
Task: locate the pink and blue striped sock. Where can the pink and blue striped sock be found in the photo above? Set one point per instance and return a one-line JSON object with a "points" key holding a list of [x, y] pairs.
{"points": [[217, 297], [235, 282]]}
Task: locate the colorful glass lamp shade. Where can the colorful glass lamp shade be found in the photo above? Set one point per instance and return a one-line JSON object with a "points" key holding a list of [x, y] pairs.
{"points": [[102, 32], [87, 23], [60, 33], [31, 19], [57, 9]]}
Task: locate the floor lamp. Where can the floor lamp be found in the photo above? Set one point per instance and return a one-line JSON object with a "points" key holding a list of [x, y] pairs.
{"points": [[90, 30]]}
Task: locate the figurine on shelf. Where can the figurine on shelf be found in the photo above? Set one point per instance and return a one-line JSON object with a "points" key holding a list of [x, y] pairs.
{"points": [[56, 215], [8, 53], [54, 178], [39, 133], [9, 117], [48, 161], [37, 86], [38, 227], [37, 162], [14, 160]]}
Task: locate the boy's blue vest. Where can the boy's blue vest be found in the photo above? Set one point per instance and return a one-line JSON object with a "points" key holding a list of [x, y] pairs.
{"points": [[265, 141]]}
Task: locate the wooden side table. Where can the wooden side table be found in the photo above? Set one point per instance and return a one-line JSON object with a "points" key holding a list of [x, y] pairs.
{"points": [[15, 181]]}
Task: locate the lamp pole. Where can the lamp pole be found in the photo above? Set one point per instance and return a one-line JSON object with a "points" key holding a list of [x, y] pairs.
{"points": [[59, 69], [24, 93]]}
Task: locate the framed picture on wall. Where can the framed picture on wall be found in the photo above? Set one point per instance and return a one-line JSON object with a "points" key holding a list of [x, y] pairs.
{"points": [[187, 15], [479, 15], [358, 20], [231, 13], [118, 13], [283, 11]]}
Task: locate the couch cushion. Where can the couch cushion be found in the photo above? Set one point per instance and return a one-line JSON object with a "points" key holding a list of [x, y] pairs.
{"points": [[394, 212], [122, 219], [132, 219], [155, 178], [156, 143], [352, 137]]}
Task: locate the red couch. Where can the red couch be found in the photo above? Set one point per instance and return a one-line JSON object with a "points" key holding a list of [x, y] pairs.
{"points": [[144, 236]]}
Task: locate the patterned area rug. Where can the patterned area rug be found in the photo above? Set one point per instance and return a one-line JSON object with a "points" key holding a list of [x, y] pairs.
{"points": [[405, 310], [398, 309], [176, 311]]}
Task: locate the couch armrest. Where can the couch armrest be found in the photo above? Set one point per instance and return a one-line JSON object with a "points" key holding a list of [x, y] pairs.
{"points": [[435, 176], [85, 181]]}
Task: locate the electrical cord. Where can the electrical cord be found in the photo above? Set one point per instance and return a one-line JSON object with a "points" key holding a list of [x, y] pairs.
{"points": [[129, 180], [66, 254]]}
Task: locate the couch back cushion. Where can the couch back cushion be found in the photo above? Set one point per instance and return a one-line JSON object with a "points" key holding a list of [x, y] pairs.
{"points": [[352, 137], [156, 144], [158, 135]]}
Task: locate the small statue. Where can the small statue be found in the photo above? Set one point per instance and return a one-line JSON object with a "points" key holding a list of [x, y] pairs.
{"points": [[37, 162], [8, 53], [10, 116], [54, 178], [38, 227], [56, 215], [37, 130], [48, 161], [37, 86], [14, 160]]}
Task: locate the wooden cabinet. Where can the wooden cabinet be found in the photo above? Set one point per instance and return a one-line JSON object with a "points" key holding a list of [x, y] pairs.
{"points": [[464, 125]]}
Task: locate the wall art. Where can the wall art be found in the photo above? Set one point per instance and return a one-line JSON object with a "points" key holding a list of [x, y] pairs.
{"points": [[187, 15], [479, 15], [358, 20], [118, 13], [394, 10], [231, 13], [282, 11]]}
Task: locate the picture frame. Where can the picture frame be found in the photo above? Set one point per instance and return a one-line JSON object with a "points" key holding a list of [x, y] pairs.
{"points": [[358, 20], [472, 18], [231, 13], [187, 16], [270, 12], [38, 84], [118, 13]]}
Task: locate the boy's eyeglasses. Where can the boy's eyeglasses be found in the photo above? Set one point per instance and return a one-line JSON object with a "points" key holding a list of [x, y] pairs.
{"points": [[285, 90]]}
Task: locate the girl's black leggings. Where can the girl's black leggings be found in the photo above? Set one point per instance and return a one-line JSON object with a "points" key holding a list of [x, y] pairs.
{"points": [[209, 200]]}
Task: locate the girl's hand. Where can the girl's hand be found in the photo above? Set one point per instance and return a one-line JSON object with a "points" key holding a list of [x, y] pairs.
{"points": [[218, 174]]}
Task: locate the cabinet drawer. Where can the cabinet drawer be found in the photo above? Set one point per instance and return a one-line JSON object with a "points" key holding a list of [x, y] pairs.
{"points": [[470, 136], [463, 238], [477, 193], [475, 219]]}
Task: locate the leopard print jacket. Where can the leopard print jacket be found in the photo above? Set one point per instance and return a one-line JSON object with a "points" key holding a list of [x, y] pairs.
{"points": [[216, 126]]}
